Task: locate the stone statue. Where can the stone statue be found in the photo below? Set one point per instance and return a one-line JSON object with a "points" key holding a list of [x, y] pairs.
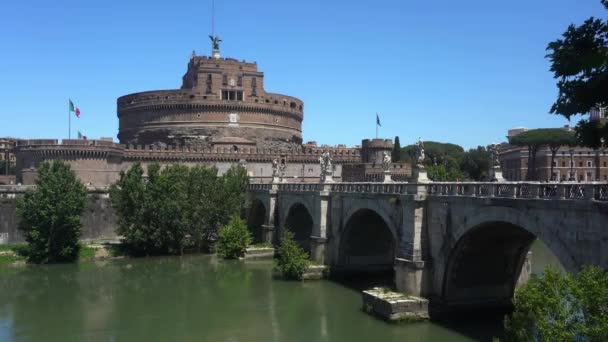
{"points": [[493, 149], [420, 154], [215, 41], [282, 169], [325, 161], [386, 161], [275, 168]]}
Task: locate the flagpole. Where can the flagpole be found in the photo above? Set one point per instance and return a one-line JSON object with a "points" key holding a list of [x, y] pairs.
{"points": [[69, 122]]}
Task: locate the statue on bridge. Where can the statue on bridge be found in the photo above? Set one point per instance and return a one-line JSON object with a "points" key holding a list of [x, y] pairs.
{"points": [[275, 168], [493, 149], [325, 161], [420, 154], [386, 161]]}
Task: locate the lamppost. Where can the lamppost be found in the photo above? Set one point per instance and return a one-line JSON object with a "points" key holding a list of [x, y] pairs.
{"points": [[571, 179]]}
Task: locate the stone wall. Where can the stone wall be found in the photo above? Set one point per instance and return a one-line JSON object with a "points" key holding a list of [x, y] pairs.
{"points": [[98, 218]]}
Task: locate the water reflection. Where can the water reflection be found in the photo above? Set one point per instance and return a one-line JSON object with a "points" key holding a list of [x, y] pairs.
{"points": [[192, 298]]}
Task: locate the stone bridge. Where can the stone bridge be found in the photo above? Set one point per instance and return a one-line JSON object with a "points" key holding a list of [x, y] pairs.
{"points": [[458, 244]]}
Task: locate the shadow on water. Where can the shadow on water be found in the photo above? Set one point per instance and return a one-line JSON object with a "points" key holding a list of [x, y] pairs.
{"points": [[479, 325], [360, 281]]}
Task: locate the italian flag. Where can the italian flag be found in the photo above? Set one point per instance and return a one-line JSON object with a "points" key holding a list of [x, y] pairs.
{"points": [[80, 135], [75, 109]]}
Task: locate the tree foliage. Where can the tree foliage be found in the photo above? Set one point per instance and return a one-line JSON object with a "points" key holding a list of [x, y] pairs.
{"points": [[175, 208], [476, 163], [50, 214], [556, 307], [233, 239], [579, 61], [292, 260], [534, 139], [396, 153], [450, 162]]}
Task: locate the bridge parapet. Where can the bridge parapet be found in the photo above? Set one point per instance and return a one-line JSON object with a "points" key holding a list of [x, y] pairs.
{"points": [[524, 190]]}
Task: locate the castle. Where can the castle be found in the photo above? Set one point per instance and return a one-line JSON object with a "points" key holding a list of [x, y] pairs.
{"points": [[221, 115]]}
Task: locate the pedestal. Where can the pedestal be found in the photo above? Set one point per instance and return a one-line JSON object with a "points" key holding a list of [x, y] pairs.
{"points": [[387, 177], [328, 177], [496, 174], [215, 54], [420, 176]]}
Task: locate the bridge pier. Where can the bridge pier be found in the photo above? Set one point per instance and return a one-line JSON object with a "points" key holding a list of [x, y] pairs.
{"points": [[269, 227], [318, 239]]}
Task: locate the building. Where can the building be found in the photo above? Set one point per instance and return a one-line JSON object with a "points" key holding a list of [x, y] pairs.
{"points": [[221, 116], [571, 163]]}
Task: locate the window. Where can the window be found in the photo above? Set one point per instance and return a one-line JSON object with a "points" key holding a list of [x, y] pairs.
{"points": [[604, 164], [225, 80], [571, 163], [580, 164], [563, 164], [254, 87], [589, 163], [232, 95], [555, 163], [239, 81]]}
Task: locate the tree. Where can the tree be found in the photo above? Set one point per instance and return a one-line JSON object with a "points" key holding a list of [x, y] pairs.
{"points": [[292, 260], [476, 163], [50, 214], [580, 63], [555, 138], [534, 139], [396, 153], [233, 239], [556, 307], [176, 208]]}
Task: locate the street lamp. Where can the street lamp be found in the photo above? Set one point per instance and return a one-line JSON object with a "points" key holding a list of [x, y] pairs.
{"points": [[572, 179]]}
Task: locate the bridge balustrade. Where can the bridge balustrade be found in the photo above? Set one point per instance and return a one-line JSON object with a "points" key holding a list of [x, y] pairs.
{"points": [[524, 190]]}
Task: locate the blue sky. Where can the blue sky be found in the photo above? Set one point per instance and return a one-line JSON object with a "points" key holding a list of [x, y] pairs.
{"points": [[452, 71]]}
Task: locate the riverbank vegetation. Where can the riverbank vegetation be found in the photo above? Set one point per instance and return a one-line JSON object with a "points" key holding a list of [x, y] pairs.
{"points": [[50, 214], [292, 261], [233, 239], [561, 307], [176, 208]]}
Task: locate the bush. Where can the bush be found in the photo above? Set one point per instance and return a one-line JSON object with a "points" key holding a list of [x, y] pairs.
{"points": [[233, 239], [50, 214], [554, 307], [292, 260]]}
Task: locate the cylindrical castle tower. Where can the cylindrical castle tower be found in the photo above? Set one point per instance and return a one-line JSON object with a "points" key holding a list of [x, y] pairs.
{"points": [[222, 101], [373, 150]]}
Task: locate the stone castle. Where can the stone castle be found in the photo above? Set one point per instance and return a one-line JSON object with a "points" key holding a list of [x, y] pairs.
{"points": [[221, 115]]}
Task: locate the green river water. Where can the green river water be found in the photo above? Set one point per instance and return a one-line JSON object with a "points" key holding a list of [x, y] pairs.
{"points": [[201, 298]]}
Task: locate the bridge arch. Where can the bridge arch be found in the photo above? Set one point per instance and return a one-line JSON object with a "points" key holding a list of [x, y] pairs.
{"points": [[256, 219], [367, 242], [487, 253], [300, 221]]}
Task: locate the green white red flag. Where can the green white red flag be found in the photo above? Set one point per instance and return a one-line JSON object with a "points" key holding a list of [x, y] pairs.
{"points": [[81, 136], [74, 109]]}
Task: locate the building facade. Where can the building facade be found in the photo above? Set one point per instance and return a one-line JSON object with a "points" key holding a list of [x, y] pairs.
{"points": [[576, 163], [221, 116]]}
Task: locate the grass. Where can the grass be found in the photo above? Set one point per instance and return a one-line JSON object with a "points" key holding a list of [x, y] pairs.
{"points": [[10, 253], [86, 253]]}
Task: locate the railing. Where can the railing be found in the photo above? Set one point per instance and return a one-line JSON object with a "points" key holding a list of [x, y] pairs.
{"points": [[525, 190]]}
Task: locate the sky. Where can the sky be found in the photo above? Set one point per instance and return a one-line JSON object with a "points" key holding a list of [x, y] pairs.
{"points": [[452, 71]]}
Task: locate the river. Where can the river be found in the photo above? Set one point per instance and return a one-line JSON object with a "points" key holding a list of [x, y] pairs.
{"points": [[201, 298]]}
